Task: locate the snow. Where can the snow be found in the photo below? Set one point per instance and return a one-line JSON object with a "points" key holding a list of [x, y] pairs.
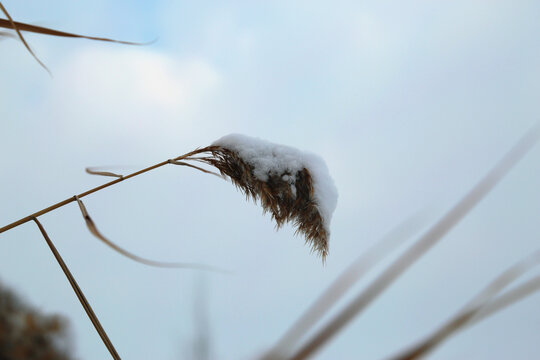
{"points": [[274, 159]]}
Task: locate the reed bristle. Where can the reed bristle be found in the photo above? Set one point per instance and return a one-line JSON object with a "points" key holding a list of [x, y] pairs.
{"points": [[285, 200]]}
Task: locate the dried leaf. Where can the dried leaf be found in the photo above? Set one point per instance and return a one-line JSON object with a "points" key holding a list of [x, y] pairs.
{"points": [[91, 171], [93, 229], [19, 26]]}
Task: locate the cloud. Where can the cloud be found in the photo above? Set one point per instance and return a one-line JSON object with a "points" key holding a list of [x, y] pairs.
{"points": [[134, 92]]}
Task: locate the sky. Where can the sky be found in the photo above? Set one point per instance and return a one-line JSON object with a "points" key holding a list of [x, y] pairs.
{"points": [[409, 103]]}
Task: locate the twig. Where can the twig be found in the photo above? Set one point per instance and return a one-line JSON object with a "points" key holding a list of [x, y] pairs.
{"points": [[79, 293]]}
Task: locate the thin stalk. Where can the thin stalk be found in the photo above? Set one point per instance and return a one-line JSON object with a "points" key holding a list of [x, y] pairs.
{"points": [[18, 26], [15, 27], [343, 283], [98, 188], [420, 247], [482, 305], [79, 293]]}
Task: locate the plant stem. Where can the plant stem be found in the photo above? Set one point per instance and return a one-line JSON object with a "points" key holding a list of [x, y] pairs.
{"points": [[91, 191], [79, 293]]}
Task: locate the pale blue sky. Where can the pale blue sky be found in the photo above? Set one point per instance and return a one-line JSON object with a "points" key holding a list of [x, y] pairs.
{"points": [[409, 103]]}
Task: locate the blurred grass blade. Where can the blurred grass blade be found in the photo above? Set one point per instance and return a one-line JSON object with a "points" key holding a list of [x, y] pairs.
{"points": [[421, 246], [93, 229], [10, 24], [18, 26], [80, 295], [91, 171], [202, 340], [518, 293], [505, 279], [344, 282], [5, 34], [176, 162], [478, 308]]}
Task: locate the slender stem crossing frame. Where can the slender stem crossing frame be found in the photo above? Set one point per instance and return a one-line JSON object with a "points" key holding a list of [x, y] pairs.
{"points": [[80, 295], [96, 189]]}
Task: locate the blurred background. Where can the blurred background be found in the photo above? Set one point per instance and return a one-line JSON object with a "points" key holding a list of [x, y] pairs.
{"points": [[410, 103]]}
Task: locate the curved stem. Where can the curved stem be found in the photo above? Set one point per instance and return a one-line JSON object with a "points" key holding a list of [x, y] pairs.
{"points": [[98, 188]]}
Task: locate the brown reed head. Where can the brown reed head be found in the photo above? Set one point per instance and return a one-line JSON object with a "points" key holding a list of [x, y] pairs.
{"points": [[288, 195]]}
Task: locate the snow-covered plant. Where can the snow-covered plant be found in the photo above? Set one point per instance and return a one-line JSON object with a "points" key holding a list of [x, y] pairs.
{"points": [[295, 186], [292, 185]]}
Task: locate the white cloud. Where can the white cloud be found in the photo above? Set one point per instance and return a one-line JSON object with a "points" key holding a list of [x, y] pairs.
{"points": [[129, 91]]}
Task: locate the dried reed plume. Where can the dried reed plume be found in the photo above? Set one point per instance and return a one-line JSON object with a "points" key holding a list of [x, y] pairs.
{"points": [[286, 203]]}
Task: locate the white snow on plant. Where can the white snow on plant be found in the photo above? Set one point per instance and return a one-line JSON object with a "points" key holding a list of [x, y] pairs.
{"points": [[273, 159]]}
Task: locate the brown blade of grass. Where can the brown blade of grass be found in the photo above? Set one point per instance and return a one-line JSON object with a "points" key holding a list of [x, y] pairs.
{"points": [[344, 282], [79, 293], [91, 171], [181, 163], [19, 26], [518, 293], [10, 24], [421, 246], [93, 229], [96, 189], [472, 316], [5, 34], [469, 314]]}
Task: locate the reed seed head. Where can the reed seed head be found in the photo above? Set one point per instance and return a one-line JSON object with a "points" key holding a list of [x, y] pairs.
{"points": [[283, 180]]}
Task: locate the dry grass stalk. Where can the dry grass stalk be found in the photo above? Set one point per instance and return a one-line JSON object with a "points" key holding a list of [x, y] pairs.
{"points": [[337, 289], [482, 305], [11, 24], [15, 25], [18, 27], [80, 295], [420, 247]]}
